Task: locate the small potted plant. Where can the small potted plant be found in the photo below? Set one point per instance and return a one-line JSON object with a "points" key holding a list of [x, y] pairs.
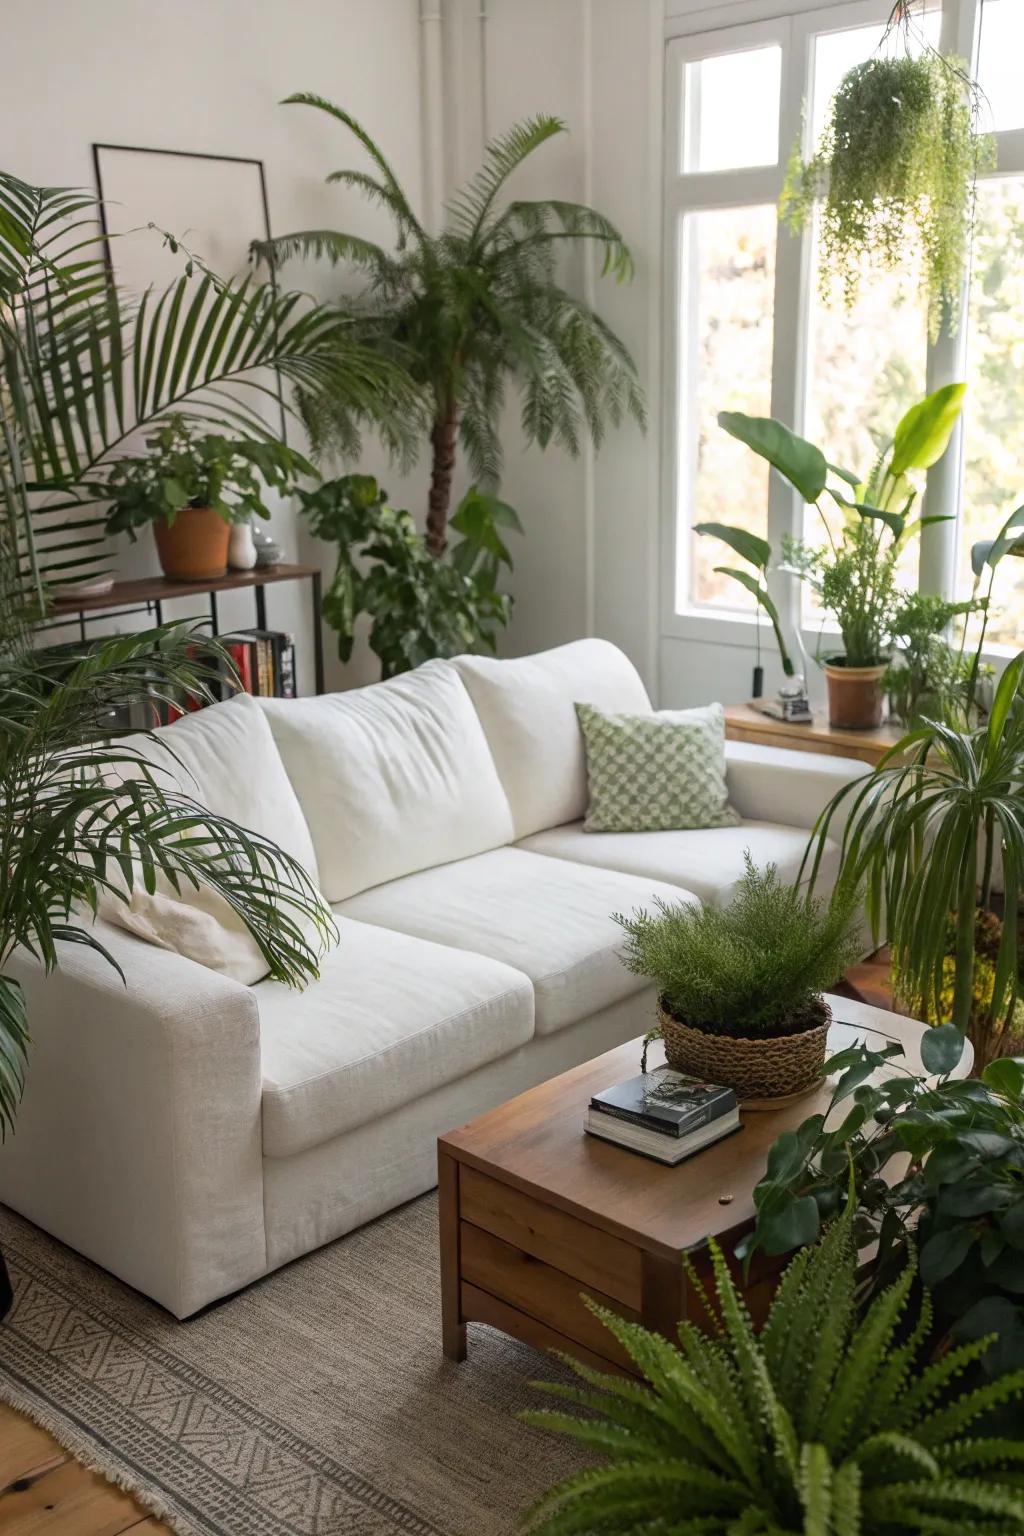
{"points": [[192, 487], [740, 987]]}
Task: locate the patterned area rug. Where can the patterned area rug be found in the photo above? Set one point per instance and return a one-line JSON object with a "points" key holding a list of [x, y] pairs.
{"points": [[316, 1403]]}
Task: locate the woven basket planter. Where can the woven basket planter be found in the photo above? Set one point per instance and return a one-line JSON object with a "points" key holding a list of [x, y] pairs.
{"points": [[771, 1068]]}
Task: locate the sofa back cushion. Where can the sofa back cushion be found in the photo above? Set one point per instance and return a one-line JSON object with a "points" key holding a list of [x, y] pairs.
{"points": [[527, 707], [392, 778]]}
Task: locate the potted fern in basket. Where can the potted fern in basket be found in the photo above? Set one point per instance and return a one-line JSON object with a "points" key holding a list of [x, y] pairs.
{"points": [[740, 987]]}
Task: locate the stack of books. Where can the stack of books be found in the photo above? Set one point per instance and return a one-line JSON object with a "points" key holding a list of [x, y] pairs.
{"points": [[664, 1114]]}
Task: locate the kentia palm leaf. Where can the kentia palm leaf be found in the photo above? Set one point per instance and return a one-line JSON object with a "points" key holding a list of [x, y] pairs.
{"points": [[826, 1424], [478, 304]]}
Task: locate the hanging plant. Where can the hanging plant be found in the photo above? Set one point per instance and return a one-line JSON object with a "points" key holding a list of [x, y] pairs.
{"points": [[895, 172]]}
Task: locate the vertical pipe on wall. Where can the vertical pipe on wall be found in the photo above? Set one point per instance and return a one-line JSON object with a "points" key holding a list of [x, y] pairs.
{"points": [[432, 111]]}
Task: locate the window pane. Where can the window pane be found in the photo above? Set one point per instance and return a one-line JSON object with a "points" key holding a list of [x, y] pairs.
{"points": [[725, 349], [731, 111], [994, 409], [999, 61]]}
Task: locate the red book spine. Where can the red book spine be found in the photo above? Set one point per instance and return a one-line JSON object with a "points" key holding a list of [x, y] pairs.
{"points": [[240, 653]]}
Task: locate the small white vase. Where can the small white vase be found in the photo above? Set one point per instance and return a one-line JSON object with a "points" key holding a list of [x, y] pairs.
{"points": [[241, 548]]}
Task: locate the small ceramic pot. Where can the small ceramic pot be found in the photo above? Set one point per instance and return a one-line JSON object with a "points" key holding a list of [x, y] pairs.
{"points": [[194, 547], [241, 548], [854, 696]]}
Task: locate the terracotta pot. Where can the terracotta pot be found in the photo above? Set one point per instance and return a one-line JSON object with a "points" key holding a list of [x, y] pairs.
{"points": [[195, 546], [774, 1067], [854, 696]]}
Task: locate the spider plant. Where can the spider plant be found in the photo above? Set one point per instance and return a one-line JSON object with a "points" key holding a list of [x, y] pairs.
{"points": [[83, 367], [478, 306], [922, 833], [81, 814], [827, 1424]]}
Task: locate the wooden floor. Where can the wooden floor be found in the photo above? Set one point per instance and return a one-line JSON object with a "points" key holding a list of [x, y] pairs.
{"points": [[45, 1492]]}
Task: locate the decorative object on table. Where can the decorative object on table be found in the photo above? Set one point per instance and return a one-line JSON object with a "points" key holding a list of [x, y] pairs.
{"points": [[196, 489], [97, 587], [853, 573], [478, 306], [926, 833], [268, 551], [118, 365], [829, 1419], [420, 606], [895, 170], [932, 1168], [663, 1114], [662, 771], [790, 703], [740, 987], [241, 547]]}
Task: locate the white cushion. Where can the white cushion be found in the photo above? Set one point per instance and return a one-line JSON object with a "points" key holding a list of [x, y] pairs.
{"points": [[391, 1018], [776, 784], [706, 862], [393, 778], [527, 709], [546, 917]]}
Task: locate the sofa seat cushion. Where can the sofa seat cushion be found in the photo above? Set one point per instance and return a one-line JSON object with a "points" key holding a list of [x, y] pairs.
{"points": [[390, 1019], [550, 918], [707, 862]]}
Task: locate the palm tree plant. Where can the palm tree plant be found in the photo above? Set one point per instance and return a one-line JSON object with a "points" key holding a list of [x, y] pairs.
{"points": [[479, 304], [827, 1424], [83, 367]]}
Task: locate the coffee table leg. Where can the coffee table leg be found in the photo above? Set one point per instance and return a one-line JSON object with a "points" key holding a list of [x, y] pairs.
{"points": [[662, 1299], [453, 1329]]}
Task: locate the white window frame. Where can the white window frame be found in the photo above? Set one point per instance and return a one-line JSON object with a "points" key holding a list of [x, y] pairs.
{"points": [[793, 25]]}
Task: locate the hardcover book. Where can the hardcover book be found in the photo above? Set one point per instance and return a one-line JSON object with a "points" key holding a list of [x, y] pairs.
{"points": [[666, 1101]]}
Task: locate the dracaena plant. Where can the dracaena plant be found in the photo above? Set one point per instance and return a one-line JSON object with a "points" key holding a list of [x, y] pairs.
{"points": [[853, 572], [478, 306], [81, 814], [828, 1423]]}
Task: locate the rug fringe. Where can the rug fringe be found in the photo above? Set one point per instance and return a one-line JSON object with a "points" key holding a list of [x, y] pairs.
{"points": [[83, 1448]]}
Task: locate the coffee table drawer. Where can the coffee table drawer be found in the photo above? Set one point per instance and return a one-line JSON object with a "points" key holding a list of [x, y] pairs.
{"points": [[594, 1258], [536, 1288]]}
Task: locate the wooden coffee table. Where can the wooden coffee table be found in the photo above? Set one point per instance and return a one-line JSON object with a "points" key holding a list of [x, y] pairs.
{"points": [[533, 1211]]}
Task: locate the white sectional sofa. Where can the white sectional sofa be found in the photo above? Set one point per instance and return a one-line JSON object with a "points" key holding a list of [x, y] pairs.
{"points": [[190, 1133]]}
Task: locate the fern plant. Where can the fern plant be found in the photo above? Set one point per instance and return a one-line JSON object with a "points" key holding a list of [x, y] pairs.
{"points": [[479, 305], [827, 1424]]}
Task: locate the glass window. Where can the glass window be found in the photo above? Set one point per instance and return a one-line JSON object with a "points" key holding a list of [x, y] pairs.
{"points": [[999, 60], [994, 413], [725, 331], [731, 111]]}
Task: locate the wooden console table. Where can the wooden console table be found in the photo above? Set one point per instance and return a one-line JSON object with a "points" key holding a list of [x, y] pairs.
{"points": [[745, 723]]}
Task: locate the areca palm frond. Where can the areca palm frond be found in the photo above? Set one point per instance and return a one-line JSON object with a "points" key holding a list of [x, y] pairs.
{"points": [[82, 813], [479, 304], [827, 1424], [82, 367]]}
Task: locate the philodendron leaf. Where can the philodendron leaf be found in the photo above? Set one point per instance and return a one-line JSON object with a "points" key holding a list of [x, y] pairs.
{"points": [[797, 460], [941, 1049], [944, 1252], [922, 437], [789, 1224], [1006, 1076], [747, 545]]}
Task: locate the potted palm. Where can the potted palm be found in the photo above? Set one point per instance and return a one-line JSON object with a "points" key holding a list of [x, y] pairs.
{"points": [[192, 486], [740, 987], [853, 572]]}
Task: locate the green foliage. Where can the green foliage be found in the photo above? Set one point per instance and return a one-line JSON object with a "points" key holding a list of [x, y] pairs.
{"points": [[419, 606], [911, 837], [82, 367], [855, 576], [186, 468], [930, 675], [896, 166], [935, 1166], [827, 1424], [752, 968], [81, 813], [478, 306]]}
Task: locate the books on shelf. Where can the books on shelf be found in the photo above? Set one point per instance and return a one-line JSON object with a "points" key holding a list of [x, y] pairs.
{"points": [[664, 1114], [264, 660]]}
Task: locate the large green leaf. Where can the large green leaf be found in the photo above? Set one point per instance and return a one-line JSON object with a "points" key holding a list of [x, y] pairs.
{"points": [[1009, 540], [749, 546], [764, 598], [922, 436], [797, 460]]}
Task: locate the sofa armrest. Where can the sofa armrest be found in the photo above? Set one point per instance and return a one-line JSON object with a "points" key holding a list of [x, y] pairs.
{"points": [[776, 784], [138, 1141]]}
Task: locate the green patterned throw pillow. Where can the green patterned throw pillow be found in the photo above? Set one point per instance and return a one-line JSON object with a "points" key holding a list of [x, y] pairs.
{"points": [[655, 773]]}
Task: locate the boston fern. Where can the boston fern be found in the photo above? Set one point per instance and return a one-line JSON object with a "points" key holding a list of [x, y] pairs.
{"points": [[478, 306], [826, 1424]]}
